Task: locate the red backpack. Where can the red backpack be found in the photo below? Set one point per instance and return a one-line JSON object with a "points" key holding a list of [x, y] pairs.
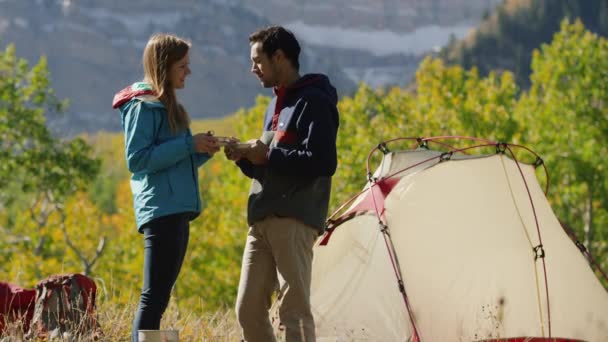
{"points": [[65, 304], [16, 307]]}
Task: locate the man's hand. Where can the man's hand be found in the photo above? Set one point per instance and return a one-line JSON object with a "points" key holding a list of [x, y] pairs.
{"points": [[232, 152], [258, 152], [205, 143]]}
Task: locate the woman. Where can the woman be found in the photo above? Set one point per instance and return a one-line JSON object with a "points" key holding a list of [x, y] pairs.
{"points": [[163, 157]]}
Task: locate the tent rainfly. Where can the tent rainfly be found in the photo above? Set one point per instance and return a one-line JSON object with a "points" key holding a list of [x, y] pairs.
{"points": [[446, 246]]}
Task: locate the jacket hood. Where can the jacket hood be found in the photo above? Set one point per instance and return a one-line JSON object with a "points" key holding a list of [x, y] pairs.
{"points": [[131, 92], [319, 82]]}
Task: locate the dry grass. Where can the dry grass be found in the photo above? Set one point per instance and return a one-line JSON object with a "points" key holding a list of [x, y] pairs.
{"points": [[115, 321]]}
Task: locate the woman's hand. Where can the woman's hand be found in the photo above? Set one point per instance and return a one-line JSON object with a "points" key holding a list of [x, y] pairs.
{"points": [[205, 143]]}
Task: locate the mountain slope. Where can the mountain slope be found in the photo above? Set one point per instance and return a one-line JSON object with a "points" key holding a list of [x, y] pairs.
{"points": [[94, 48], [505, 40]]}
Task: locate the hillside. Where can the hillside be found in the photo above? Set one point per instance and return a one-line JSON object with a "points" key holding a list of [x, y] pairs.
{"points": [[506, 38], [94, 48]]}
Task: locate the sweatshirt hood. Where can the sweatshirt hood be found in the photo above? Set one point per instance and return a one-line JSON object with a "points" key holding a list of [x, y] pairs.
{"points": [[317, 81], [131, 92]]}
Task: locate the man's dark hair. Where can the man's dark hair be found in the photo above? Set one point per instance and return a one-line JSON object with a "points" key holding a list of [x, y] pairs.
{"points": [[274, 38]]}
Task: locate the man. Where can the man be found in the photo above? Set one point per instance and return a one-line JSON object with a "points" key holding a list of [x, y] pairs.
{"points": [[291, 166]]}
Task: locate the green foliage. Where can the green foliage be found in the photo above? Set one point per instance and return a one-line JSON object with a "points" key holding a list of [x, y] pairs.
{"points": [[568, 99], [356, 137], [30, 156], [38, 172], [452, 101], [109, 148]]}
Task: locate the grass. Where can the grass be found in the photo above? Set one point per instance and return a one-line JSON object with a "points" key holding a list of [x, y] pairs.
{"points": [[115, 322], [218, 326]]}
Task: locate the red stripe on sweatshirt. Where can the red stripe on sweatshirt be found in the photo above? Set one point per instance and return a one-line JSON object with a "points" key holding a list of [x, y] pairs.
{"points": [[278, 107], [287, 137]]}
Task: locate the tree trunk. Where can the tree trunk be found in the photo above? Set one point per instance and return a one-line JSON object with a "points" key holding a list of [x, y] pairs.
{"points": [[588, 220]]}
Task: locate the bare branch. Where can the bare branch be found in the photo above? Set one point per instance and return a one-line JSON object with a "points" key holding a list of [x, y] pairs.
{"points": [[46, 209], [39, 245], [99, 251], [87, 265], [66, 236], [41, 219]]}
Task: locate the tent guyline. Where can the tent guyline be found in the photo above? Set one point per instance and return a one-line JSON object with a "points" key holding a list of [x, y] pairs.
{"points": [[394, 262], [385, 185], [538, 248], [594, 264]]}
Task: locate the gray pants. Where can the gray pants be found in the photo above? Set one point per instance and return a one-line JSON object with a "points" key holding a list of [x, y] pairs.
{"points": [[284, 246]]}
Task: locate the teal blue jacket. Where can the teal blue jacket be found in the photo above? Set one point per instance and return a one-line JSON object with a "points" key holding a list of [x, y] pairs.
{"points": [[164, 165]]}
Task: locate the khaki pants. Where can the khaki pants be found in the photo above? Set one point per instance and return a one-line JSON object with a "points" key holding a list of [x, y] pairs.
{"points": [[284, 246]]}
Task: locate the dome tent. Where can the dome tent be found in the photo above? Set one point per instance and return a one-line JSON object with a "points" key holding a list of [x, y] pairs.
{"points": [[449, 246]]}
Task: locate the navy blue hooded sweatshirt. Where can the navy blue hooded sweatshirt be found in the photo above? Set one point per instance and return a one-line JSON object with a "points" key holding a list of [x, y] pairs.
{"points": [[300, 127]]}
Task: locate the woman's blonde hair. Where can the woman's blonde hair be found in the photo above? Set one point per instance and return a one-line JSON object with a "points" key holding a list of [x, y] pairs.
{"points": [[161, 52]]}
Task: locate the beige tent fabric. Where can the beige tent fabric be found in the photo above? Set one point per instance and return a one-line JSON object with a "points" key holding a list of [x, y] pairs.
{"points": [[354, 292], [464, 233]]}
